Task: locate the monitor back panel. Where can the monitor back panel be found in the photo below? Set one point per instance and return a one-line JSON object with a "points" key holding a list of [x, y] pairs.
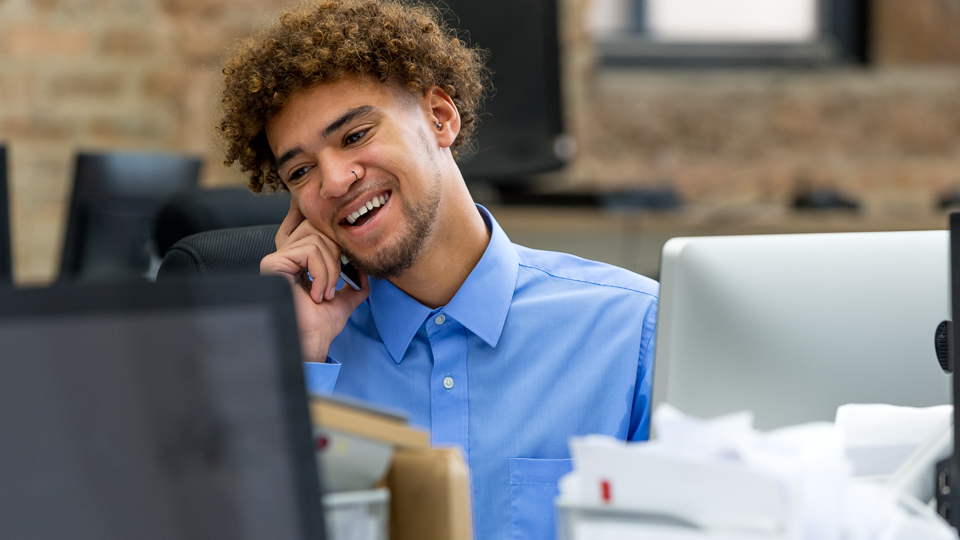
{"points": [[154, 411], [792, 326]]}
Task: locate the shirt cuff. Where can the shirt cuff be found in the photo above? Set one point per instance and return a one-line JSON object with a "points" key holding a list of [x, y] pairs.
{"points": [[321, 378]]}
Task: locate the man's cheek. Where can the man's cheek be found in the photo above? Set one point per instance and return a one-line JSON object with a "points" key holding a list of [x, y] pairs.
{"points": [[320, 219]]}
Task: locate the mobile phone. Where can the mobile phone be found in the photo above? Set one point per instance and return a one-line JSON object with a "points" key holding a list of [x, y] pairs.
{"points": [[348, 273]]}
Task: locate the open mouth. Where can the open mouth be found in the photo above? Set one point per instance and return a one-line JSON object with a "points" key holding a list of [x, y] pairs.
{"points": [[366, 212]]}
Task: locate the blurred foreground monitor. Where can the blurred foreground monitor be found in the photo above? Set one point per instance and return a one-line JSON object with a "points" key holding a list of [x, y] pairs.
{"points": [[174, 410]]}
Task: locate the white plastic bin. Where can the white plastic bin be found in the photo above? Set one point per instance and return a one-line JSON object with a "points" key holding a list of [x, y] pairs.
{"points": [[357, 515]]}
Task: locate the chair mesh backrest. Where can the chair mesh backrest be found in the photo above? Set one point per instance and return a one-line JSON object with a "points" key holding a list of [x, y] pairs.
{"points": [[236, 250], [199, 210]]}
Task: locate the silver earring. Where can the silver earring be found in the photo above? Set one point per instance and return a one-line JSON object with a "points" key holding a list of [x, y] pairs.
{"points": [[355, 176], [439, 125]]}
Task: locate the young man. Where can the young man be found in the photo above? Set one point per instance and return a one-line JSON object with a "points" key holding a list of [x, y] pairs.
{"points": [[357, 107]]}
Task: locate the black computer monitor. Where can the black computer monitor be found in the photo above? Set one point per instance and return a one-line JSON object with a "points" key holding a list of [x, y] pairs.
{"points": [[522, 119], [6, 258], [174, 410], [114, 199]]}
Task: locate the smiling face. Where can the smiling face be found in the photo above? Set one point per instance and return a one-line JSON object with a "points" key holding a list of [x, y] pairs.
{"points": [[357, 158]]}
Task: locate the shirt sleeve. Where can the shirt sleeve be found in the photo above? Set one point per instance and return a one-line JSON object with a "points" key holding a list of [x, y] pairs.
{"points": [[321, 378], [640, 417]]}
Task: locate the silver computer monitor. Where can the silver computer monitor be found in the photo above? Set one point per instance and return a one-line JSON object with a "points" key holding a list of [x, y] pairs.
{"points": [[792, 326]]}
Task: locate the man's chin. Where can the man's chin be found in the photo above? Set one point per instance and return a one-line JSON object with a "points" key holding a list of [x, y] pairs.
{"points": [[387, 262], [382, 269], [390, 256]]}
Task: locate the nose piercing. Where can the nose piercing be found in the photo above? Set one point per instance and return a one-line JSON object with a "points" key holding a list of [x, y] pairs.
{"points": [[355, 176]]}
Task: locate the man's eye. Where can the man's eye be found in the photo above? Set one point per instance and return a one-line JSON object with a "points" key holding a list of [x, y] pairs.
{"points": [[354, 137], [297, 173]]}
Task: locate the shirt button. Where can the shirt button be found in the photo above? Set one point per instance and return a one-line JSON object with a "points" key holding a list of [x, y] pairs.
{"points": [[447, 381], [439, 320]]}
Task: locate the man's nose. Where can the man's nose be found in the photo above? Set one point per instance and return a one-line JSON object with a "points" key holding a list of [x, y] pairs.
{"points": [[337, 179]]}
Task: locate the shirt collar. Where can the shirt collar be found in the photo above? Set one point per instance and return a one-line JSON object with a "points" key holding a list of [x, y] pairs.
{"points": [[481, 304]]}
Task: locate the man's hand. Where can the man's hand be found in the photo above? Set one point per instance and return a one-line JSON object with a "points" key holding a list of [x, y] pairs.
{"points": [[322, 311]]}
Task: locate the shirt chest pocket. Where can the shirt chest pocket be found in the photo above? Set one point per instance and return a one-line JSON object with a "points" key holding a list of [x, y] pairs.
{"points": [[533, 487]]}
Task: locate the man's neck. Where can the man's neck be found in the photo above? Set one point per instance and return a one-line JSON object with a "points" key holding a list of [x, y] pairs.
{"points": [[457, 243]]}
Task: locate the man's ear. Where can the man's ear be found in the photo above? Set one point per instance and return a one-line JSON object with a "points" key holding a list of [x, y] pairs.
{"points": [[442, 111]]}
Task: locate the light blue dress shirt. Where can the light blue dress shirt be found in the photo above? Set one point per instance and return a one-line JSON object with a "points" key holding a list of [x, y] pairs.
{"points": [[534, 348]]}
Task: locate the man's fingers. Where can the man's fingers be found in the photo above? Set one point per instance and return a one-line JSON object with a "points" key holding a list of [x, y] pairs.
{"points": [[318, 257], [348, 298], [304, 230], [306, 248], [334, 269], [277, 264], [323, 262], [290, 223]]}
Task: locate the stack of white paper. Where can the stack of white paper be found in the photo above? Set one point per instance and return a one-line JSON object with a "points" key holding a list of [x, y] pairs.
{"points": [[880, 437], [721, 479]]}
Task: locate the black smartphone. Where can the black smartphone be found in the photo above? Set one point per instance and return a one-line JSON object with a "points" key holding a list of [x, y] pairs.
{"points": [[348, 273]]}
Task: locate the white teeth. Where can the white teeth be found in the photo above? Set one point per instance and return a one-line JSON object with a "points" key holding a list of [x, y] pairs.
{"points": [[375, 202]]}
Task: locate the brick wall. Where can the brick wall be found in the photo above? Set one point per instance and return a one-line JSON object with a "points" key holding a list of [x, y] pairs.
{"points": [[887, 135], [143, 75], [105, 74]]}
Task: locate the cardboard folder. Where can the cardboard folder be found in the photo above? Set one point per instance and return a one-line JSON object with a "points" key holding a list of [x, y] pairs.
{"points": [[429, 487]]}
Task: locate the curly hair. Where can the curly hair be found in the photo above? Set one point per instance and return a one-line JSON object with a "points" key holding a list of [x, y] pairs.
{"points": [[327, 40]]}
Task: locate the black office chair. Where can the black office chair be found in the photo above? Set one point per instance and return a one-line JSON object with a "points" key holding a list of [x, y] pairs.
{"points": [[199, 210], [6, 256], [115, 197], [223, 251]]}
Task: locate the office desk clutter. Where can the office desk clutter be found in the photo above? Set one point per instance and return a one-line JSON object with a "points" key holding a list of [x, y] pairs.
{"points": [[381, 478], [723, 479], [881, 437]]}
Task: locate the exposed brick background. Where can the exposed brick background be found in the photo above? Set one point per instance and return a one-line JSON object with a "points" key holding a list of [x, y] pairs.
{"points": [[143, 75], [106, 74], [916, 32], [887, 135]]}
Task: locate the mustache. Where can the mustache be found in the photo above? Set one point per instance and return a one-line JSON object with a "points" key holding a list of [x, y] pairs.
{"points": [[373, 187]]}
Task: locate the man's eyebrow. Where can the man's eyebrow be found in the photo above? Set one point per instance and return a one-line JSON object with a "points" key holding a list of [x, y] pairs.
{"points": [[352, 114], [288, 156]]}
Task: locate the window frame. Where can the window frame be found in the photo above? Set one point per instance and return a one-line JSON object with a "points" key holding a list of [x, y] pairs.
{"points": [[843, 40]]}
